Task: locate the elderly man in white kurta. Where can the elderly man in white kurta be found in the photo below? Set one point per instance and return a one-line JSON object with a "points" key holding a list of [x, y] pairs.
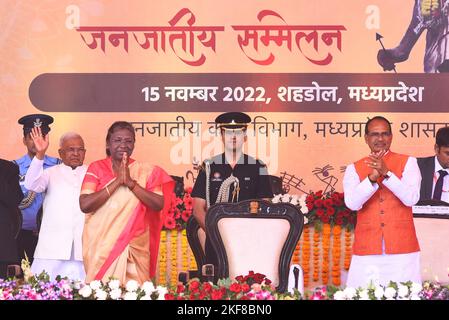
{"points": [[59, 248]]}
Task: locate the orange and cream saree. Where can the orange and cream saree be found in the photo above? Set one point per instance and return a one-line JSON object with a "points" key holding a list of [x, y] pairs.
{"points": [[121, 238]]}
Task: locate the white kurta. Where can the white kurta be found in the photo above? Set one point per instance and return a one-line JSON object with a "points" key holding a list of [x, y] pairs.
{"points": [[383, 268], [59, 248]]}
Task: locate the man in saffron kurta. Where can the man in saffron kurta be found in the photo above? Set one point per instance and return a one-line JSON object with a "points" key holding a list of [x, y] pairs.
{"points": [[382, 188]]}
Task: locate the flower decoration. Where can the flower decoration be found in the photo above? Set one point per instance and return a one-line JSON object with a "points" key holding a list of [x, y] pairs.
{"points": [[180, 210], [329, 208], [254, 286], [395, 291]]}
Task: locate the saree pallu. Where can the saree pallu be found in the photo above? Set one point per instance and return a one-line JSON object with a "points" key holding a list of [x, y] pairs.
{"points": [[121, 238]]}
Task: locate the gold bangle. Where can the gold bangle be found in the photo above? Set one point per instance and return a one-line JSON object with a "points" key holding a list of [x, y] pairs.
{"points": [[107, 190]]}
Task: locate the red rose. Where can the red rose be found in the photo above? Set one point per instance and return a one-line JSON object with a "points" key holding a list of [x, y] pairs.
{"points": [[310, 198], [335, 196], [319, 193], [309, 205], [339, 221], [216, 294], [338, 202], [244, 298], [318, 203], [239, 278], [259, 277], [180, 288], [192, 296], [194, 285], [325, 219], [267, 282], [330, 211], [341, 195], [320, 213], [245, 287], [328, 202], [202, 295], [169, 296], [207, 287], [235, 287]]}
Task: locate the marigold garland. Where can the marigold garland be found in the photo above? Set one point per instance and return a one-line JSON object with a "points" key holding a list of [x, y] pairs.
{"points": [[325, 253], [174, 257], [163, 259], [336, 255], [348, 248], [305, 261], [184, 251], [316, 254], [295, 257]]}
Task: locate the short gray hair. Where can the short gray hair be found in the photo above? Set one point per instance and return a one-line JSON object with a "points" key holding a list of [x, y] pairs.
{"points": [[68, 135]]}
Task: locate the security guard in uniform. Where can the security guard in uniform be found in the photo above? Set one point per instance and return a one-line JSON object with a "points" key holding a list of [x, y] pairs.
{"points": [[31, 204], [231, 176]]}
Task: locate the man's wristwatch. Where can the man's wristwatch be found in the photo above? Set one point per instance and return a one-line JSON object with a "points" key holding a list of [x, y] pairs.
{"points": [[388, 174]]}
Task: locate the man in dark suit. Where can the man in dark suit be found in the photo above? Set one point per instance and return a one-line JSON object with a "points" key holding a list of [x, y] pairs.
{"points": [[435, 170], [10, 216]]}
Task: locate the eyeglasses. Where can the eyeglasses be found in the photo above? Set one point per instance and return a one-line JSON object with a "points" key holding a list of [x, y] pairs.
{"points": [[74, 150], [377, 135]]}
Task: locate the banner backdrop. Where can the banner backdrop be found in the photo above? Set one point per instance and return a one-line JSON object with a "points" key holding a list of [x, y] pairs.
{"points": [[305, 71]]}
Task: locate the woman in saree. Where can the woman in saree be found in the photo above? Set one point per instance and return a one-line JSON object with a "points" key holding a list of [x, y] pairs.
{"points": [[124, 201]]}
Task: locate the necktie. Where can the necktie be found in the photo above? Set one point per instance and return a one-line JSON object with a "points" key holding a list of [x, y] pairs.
{"points": [[439, 185]]}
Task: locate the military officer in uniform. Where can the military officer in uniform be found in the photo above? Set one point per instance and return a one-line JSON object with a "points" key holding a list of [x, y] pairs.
{"points": [[231, 176], [32, 202]]}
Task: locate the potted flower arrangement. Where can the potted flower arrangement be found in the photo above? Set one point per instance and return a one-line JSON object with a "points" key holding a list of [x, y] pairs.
{"points": [[253, 286], [329, 208]]}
